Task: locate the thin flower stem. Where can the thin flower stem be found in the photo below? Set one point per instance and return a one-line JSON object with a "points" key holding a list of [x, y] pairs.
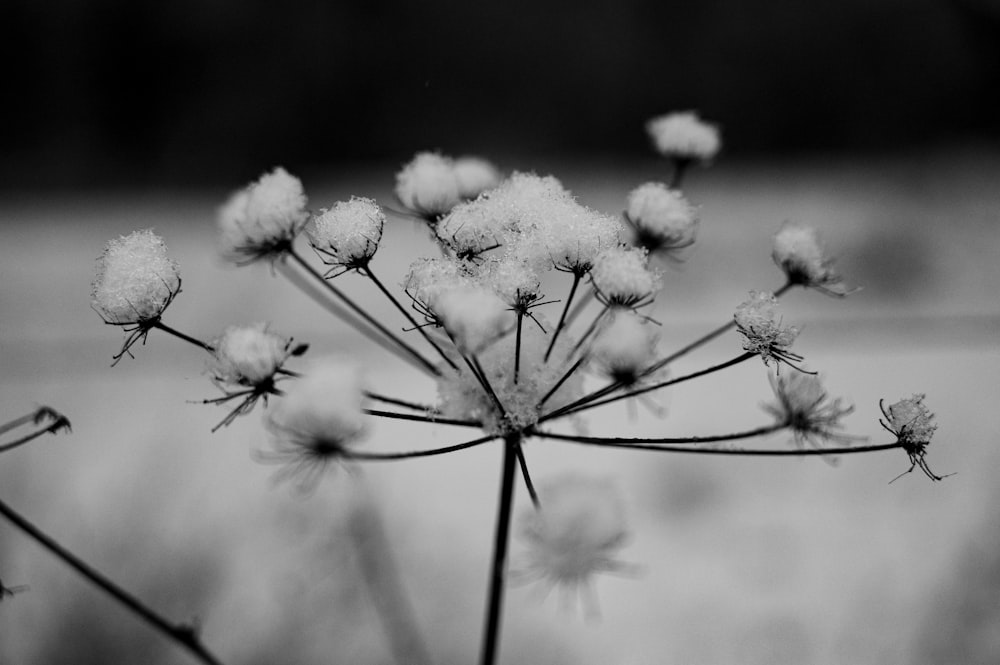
{"points": [[477, 371], [580, 306], [422, 418], [562, 317], [680, 168], [625, 442], [517, 347], [427, 365], [29, 437], [749, 452], [409, 317], [59, 421], [494, 607], [178, 334], [590, 331], [401, 402], [569, 373], [527, 477], [184, 635], [376, 457]]}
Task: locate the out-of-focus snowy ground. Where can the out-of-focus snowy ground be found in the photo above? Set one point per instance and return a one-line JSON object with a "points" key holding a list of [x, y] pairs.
{"points": [[743, 560]]}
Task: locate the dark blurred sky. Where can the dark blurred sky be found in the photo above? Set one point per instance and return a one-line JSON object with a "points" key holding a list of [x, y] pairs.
{"points": [[118, 92]]}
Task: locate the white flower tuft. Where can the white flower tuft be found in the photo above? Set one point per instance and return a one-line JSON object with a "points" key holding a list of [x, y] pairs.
{"points": [[798, 252], [474, 176], [622, 277], [514, 280], [262, 220], [348, 234], [136, 280], [427, 185], [248, 355], [625, 347], [663, 219], [473, 316], [470, 229], [912, 421], [684, 136], [429, 278], [757, 320]]}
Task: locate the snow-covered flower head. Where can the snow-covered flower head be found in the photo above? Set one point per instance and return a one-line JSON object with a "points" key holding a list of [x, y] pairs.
{"points": [[625, 347], [684, 136], [514, 280], [470, 229], [763, 333], [427, 185], [474, 317], [347, 235], [261, 221], [318, 419], [912, 423], [798, 252], [575, 238], [429, 278], [136, 279], [474, 176], [576, 533], [805, 407], [622, 277], [663, 219]]}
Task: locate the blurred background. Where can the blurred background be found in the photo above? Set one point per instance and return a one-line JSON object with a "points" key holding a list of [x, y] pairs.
{"points": [[872, 121]]}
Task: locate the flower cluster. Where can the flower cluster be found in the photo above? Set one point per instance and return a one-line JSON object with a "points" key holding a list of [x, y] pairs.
{"points": [[912, 423], [261, 221], [664, 221], [797, 251], [684, 136], [806, 408], [347, 235], [136, 279], [763, 333], [431, 184]]}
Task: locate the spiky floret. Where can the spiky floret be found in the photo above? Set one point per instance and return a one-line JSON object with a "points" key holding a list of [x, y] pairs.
{"points": [[347, 235], [763, 332], [803, 404], [798, 252], [912, 423], [262, 220]]}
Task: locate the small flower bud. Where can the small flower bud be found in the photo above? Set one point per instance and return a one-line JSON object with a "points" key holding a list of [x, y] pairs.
{"points": [[136, 280], [798, 252], [663, 219], [262, 220], [427, 185], [684, 136], [913, 425], [348, 234]]}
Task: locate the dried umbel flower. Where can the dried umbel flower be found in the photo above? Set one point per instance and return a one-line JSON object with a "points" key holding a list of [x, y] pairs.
{"points": [[347, 235], [625, 348], [797, 251], [804, 405], [663, 220], [262, 221], [474, 176], [576, 533], [427, 185], [319, 418], [622, 277], [684, 136], [757, 320], [912, 423], [473, 316]]}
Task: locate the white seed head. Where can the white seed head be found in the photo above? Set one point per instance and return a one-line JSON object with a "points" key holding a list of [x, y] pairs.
{"points": [[470, 229], [262, 220], [349, 233], [514, 280], [248, 355], [912, 421], [684, 136], [663, 218], [622, 276], [136, 280], [763, 333], [803, 404], [429, 278], [798, 252], [427, 185], [474, 176], [473, 316], [625, 347]]}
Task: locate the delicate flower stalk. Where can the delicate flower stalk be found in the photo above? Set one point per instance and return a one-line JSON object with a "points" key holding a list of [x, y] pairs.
{"points": [[56, 423], [347, 236]]}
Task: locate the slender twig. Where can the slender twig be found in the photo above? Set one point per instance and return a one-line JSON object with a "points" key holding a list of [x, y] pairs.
{"points": [[527, 476], [517, 346], [427, 365], [562, 380], [183, 634], [562, 317], [430, 410], [590, 331], [580, 306], [422, 418], [480, 374], [494, 607], [363, 456], [367, 271], [759, 452], [624, 442], [680, 168], [178, 334]]}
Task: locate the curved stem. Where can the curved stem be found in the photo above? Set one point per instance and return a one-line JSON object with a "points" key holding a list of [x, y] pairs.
{"points": [[523, 462], [422, 418], [59, 422], [374, 457], [625, 442], [494, 607], [759, 452], [562, 317], [184, 635]]}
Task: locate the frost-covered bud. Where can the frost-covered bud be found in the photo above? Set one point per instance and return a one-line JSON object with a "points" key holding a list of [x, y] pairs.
{"points": [[577, 532], [625, 348], [758, 321], [248, 355], [684, 136], [136, 280], [429, 278], [469, 229], [513, 280], [575, 238], [474, 317], [317, 420], [262, 220], [348, 234], [805, 407], [798, 252], [913, 425], [622, 277], [427, 185], [663, 219], [474, 176]]}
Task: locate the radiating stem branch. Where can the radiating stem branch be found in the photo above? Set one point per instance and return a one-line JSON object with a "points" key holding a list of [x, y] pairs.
{"points": [[374, 457], [562, 380], [428, 366], [480, 374], [59, 422], [494, 607], [748, 452], [184, 635], [681, 165], [626, 442], [422, 418], [590, 331], [409, 317], [562, 317], [401, 402], [160, 325], [517, 347], [527, 476]]}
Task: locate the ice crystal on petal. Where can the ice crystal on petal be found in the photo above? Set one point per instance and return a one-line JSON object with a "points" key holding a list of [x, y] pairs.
{"points": [[262, 220], [804, 405], [622, 277], [763, 333], [136, 280], [427, 185], [797, 251], [663, 219], [348, 234], [684, 136]]}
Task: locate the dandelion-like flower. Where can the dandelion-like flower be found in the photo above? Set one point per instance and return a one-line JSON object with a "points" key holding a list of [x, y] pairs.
{"points": [[797, 251], [807, 409], [763, 333], [684, 136], [317, 421], [262, 221], [576, 533], [136, 281], [622, 277], [912, 423], [245, 363], [347, 235], [427, 185], [663, 220]]}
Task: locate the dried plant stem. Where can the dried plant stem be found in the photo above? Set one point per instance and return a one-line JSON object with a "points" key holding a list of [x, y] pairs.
{"points": [[626, 442], [425, 364], [494, 606], [184, 635], [681, 165], [562, 380], [517, 346], [379, 457], [562, 317], [160, 325], [422, 418], [590, 330], [59, 421], [758, 452], [430, 410], [527, 477]]}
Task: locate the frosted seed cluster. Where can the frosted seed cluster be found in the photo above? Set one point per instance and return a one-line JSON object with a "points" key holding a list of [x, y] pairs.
{"points": [[429, 185], [912, 421], [262, 220], [473, 316], [136, 280], [804, 404], [474, 176], [349, 233], [622, 277], [625, 347], [757, 320], [248, 355], [798, 252], [663, 218], [514, 280], [684, 136]]}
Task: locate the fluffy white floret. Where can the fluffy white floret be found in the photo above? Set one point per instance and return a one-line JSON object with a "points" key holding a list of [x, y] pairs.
{"points": [[912, 421], [474, 317], [622, 276], [662, 217], [262, 220], [684, 136], [798, 252], [471, 228], [349, 233], [625, 347], [514, 280], [758, 321], [136, 280], [474, 176], [429, 278], [427, 185], [248, 355]]}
